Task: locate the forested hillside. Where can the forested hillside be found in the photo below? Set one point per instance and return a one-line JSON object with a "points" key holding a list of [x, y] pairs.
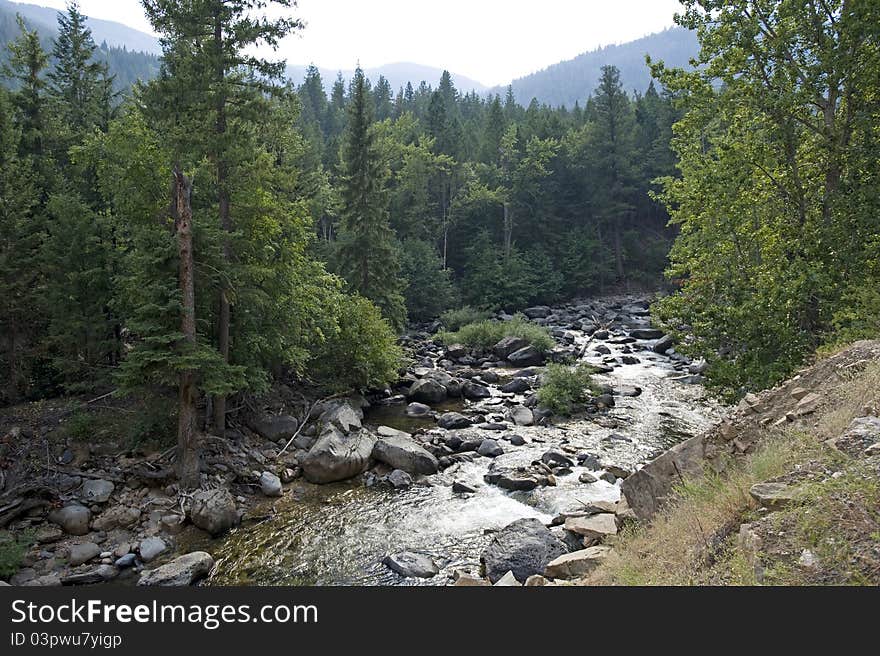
{"points": [[568, 82], [130, 55]]}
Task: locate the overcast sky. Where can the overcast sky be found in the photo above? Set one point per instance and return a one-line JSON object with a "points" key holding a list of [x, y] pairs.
{"points": [[491, 41]]}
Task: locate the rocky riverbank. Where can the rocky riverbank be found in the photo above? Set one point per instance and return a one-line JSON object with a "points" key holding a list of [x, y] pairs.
{"points": [[461, 432]]}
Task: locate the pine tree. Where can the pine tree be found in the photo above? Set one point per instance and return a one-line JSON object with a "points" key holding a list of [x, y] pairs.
{"points": [[366, 250]]}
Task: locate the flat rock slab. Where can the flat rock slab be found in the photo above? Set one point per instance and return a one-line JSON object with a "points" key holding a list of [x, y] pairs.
{"points": [[410, 564], [773, 495], [595, 527], [577, 563]]}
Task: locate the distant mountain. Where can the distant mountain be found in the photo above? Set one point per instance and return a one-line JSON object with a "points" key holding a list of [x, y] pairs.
{"points": [[123, 59], [575, 79], [397, 75], [116, 35]]}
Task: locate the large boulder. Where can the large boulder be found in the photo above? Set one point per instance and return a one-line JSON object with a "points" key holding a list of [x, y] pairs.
{"points": [[522, 416], [524, 547], [213, 511], [475, 391], [526, 357], [509, 345], [274, 428], [404, 453], [427, 390], [183, 570], [647, 489], [593, 527], [537, 312], [664, 344], [83, 553], [73, 519], [338, 456], [418, 410]]}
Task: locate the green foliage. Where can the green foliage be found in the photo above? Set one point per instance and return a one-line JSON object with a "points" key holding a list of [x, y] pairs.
{"points": [[453, 320], [777, 201], [564, 388], [359, 352], [13, 547], [486, 334], [429, 290]]}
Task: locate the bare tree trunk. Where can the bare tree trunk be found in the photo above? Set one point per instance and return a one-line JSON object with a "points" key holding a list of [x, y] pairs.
{"points": [[187, 433]]}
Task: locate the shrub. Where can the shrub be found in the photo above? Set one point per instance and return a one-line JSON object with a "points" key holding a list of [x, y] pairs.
{"points": [[12, 550], [486, 334], [360, 352], [564, 388], [455, 319]]}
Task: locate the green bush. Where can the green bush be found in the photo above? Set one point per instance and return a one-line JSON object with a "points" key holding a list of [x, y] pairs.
{"points": [[564, 388], [454, 319], [360, 352], [486, 334], [12, 550]]}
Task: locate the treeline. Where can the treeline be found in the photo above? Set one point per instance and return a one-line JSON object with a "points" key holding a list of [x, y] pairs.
{"points": [[125, 66], [779, 200], [488, 203]]}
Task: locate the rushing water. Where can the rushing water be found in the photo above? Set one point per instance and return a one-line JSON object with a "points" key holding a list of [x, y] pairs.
{"points": [[338, 534]]}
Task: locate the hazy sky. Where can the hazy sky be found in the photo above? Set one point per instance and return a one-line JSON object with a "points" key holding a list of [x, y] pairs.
{"points": [[491, 41]]}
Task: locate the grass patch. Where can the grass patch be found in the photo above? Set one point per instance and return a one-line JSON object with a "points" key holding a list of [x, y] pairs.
{"points": [[486, 334], [453, 320], [564, 389], [692, 541]]}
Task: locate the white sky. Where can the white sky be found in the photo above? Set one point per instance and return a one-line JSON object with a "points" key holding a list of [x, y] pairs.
{"points": [[491, 41]]}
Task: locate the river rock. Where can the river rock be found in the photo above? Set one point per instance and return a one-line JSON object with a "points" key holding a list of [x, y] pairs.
{"points": [[101, 574], [270, 484], [475, 391], [125, 561], [587, 478], [524, 547], [183, 570], [462, 488], [410, 564], [456, 351], [417, 410], [537, 312], [343, 416], [214, 511], [526, 357], [490, 448], [399, 479], [646, 333], [509, 345], [664, 344], [453, 420], [337, 456], [152, 548], [97, 490], [428, 391], [594, 527], [117, 517], [556, 459], [469, 580], [404, 453], [274, 428], [73, 519], [515, 440], [508, 581], [83, 553], [577, 563], [522, 416], [516, 386]]}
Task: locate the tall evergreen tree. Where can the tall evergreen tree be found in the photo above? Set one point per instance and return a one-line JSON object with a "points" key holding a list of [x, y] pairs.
{"points": [[367, 252]]}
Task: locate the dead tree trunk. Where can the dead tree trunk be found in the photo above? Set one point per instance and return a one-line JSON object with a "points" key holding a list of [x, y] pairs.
{"points": [[187, 432]]}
